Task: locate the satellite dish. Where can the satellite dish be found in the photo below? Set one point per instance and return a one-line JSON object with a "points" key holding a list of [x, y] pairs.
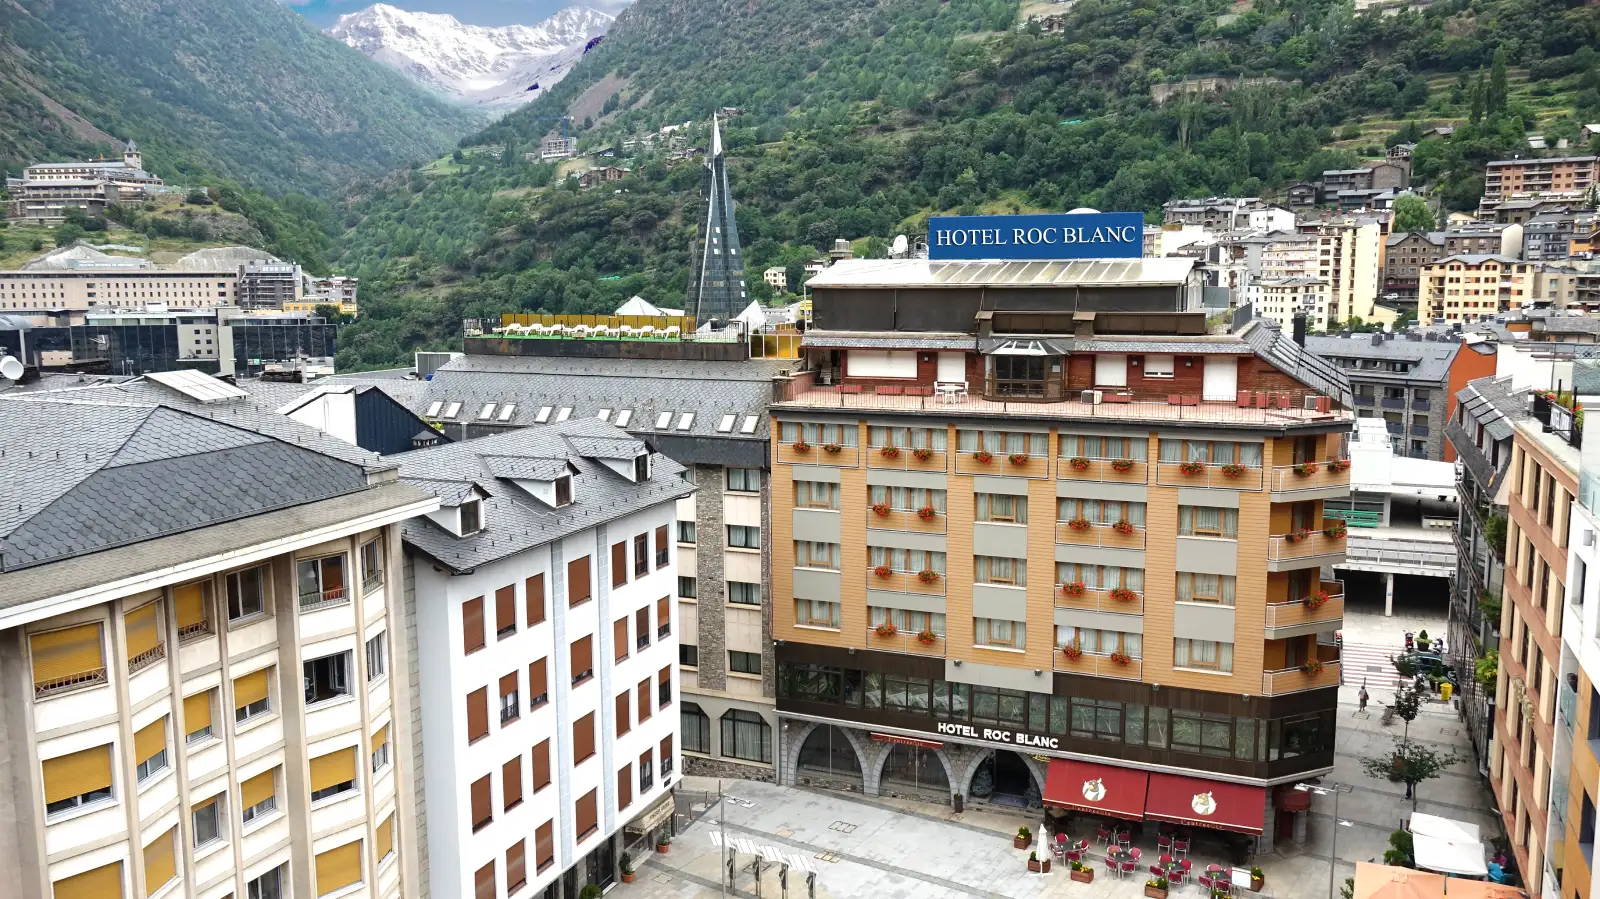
{"points": [[898, 247], [10, 368]]}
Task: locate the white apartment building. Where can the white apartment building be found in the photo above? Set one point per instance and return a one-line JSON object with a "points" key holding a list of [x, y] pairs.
{"points": [[195, 641], [540, 598], [1344, 256], [1279, 299]]}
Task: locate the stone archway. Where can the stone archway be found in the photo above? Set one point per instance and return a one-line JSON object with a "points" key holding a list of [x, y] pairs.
{"points": [[828, 757], [1034, 768], [944, 765]]}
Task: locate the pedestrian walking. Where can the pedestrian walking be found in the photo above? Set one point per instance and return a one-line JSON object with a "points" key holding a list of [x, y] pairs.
{"points": [[1363, 697]]}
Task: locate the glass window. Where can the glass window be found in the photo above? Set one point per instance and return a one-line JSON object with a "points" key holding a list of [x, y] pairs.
{"points": [[1089, 447], [246, 593], [817, 434], [207, 821], [744, 537], [377, 658], [685, 532], [907, 694], [1133, 724], [1101, 512], [1207, 655], [744, 662], [999, 633], [372, 563], [912, 561], [1002, 443], [1001, 508], [746, 736], [322, 580], [810, 554], [906, 621], [1100, 577], [1208, 521], [744, 594], [1000, 571], [816, 613], [1217, 589], [688, 655], [687, 587], [327, 678], [744, 480], [695, 727], [907, 499], [999, 706], [879, 436], [816, 495]]}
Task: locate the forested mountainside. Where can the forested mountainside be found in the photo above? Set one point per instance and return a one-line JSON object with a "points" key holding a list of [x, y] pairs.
{"points": [[239, 90], [860, 117]]}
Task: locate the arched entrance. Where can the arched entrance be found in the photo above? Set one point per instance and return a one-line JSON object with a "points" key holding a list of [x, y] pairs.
{"points": [[1003, 778], [915, 771], [828, 756]]}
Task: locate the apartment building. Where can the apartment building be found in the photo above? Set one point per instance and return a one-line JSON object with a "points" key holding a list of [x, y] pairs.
{"points": [[47, 190], [540, 606], [1405, 253], [1505, 177], [1083, 580], [1466, 287], [28, 292], [1281, 299], [708, 415], [195, 631], [1344, 255]]}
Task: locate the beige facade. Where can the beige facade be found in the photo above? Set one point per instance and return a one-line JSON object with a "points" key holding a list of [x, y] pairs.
{"points": [[26, 292], [1539, 176], [1280, 299], [1346, 257], [1462, 288]]}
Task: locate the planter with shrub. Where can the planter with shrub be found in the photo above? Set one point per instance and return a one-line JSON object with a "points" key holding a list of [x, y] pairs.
{"points": [[1023, 839]]}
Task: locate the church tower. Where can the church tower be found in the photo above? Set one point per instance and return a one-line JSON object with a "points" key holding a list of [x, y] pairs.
{"points": [[716, 287], [130, 155]]}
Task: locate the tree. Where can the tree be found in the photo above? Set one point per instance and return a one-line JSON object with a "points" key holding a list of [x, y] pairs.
{"points": [[1408, 696], [1411, 213], [1410, 764], [1495, 101], [68, 234], [1402, 850], [1475, 100]]}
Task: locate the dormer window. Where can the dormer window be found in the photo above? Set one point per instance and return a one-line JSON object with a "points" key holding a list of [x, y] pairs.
{"points": [[564, 491], [471, 517], [641, 468]]}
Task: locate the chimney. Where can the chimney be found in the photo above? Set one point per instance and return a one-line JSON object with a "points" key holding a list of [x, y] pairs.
{"points": [[1377, 338], [1300, 328]]}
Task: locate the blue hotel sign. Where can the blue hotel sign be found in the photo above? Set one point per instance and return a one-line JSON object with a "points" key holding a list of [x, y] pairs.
{"points": [[1081, 235]]}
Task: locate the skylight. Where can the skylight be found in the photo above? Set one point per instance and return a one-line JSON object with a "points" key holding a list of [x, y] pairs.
{"points": [[749, 425], [434, 407], [605, 415], [452, 410], [663, 421], [506, 410], [685, 421], [487, 412], [726, 424], [543, 416], [623, 417], [564, 414]]}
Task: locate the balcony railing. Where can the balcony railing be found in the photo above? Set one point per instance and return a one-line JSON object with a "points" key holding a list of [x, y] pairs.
{"points": [[905, 582], [1297, 680], [1171, 474], [1567, 707], [1365, 400], [195, 631], [372, 581], [1394, 402], [1137, 470], [327, 599], [147, 658], [906, 520], [905, 458], [1099, 664], [1097, 534], [88, 677], [1558, 420], [1099, 601], [1298, 612], [1315, 543], [905, 642], [1421, 405], [1309, 476]]}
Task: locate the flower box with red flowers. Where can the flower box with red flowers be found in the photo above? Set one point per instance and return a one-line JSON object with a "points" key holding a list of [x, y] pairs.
{"points": [[1297, 536], [1120, 658], [1191, 468], [1336, 531], [922, 454], [1316, 599], [1079, 524], [1338, 465], [983, 457], [890, 452], [927, 638], [800, 446], [1072, 588], [1122, 465], [1018, 458], [1072, 652], [1312, 668], [1305, 469], [927, 513], [883, 571], [1079, 463], [1123, 594], [832, 448], [928, 576], [1233, 470], [880, 509], [886, 629], [1123, 527]]}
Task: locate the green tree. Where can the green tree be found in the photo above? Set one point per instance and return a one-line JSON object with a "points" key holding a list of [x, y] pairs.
{"points": [[1402, 850], [68, 234], [1412, 214], [1495, 101], [1476, 100], [1411, 764]]}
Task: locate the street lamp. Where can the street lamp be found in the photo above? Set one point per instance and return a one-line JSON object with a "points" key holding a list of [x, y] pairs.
{"points": [[1333, 850]]}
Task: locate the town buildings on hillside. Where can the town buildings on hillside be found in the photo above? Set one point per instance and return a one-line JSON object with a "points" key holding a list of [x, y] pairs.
{"points": [[47, 190]]}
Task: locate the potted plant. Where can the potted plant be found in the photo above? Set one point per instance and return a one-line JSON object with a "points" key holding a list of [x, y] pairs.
{"points": [[886, 629], [1038, 865], [1072, 652], [627, 868], [1233, 470], [1156, 888], [1312, 668], [927, 513], [927, 637], [1123, 594], [1024, 838], [1081, 872], [1257, 879], [983, 457], [1018, 458], [1122, 465], [1119, 657], [880, 509], [800, 446], [1191, 468], [922, 454], [890, 452], [1423, 640], [1123, 527], [1338, 530], [1315, 599], [832, 448], [662, 842], [1072, 588], [1220, 893], [928, 576], [883, 571], [1079, 463], [1305, 469], [1297, 536], [1079, 524], [1338, 465]]}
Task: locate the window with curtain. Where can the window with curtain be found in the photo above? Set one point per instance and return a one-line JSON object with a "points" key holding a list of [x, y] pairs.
{"points": [[1002, 443], [745, 735], [1100, 511], [811, 554], [907, 499], [1208, 521], [816, 495], [695, 727], [905, 620], [999, 570], [1091, 447], [816, 434], [816, 613], [1215, 452], [1100, 577], [1001, 508], [910, 561], [1212, 588], [1103, 642], [999, 633], [1207, 655], [907, 438]]}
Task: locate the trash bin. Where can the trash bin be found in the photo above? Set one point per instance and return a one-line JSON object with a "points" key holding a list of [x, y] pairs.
{"points": [[1445, 690]]}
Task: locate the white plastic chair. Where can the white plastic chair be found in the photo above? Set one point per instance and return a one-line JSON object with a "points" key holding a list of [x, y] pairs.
{"points": [[648, 331], [578, 331], [629, 332], [613, 332], [672, 331]]}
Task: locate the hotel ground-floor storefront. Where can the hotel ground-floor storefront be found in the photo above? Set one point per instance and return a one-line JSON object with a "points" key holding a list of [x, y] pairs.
{"points": [[885, 723]]}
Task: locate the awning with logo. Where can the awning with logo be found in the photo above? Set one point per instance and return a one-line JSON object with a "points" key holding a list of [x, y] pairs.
{"points": [[1101, 789], [1206, 803], [654, 816]]}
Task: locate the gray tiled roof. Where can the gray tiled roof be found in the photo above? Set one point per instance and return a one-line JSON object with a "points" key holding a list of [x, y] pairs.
{"points": [[1430, 359], [408, 392], [84, 477], [1498, 406], [514, 521], [894, 340], [1290, 358], [606, 447]]}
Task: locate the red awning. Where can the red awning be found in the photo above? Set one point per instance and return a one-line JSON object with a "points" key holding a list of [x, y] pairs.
{"points": [[1101, 789], [1206, 803], [907, 741]]}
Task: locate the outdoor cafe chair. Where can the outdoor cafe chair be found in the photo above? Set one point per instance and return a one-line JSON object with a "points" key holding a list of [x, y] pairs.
{"points": [[1180, 847], [1102, 836], [1111, 864], [1129, 868]]}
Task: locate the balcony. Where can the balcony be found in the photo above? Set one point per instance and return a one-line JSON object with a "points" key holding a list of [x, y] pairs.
{"points": [[1289, 552], [1097, 534], [1099, 664], [1099, 601], [1310, 480], [1567, 707], [1297, 618], [1121, 471], [1365, 401], [1298, 680], [1394, 402], [325, 599], [807, 454], [1020, 465], [1421, 405], [907, 644], [903, 458], [1419, 429], [1557, 419], [906, 520], [905, 582], [1173, 474]]}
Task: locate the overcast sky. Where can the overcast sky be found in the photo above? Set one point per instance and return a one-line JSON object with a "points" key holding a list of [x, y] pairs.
{"points": [[474, 12]]}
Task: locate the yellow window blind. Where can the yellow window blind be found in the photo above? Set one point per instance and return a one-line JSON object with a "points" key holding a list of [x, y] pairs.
{"points": [[81, 772], [61, 657], [190, 601], [338, 868], [250, 688], [334, 768], [205, 803], [149, 740], [386, 838], [197, 712], [381, 738], [96, 883], [160, 864], [143, 634], [257, 790]]}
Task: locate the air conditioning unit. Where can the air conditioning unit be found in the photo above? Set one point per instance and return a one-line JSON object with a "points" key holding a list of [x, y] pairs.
{"points": [[1092, 397], [1310, 404]]}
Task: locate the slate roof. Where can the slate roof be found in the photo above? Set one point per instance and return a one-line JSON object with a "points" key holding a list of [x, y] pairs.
{"points": [[1498, 406], [1430, 359], [513, 520], [1290, 358], [408, 392], [82, 477]]}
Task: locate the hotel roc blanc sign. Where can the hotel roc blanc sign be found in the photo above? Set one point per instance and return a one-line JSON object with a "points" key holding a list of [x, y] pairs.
{"points": [[1071, 235]]}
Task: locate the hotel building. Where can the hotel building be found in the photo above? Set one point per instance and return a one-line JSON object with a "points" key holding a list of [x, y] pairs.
{"points": [[539, 604], [1048, 537], [195, 641]]}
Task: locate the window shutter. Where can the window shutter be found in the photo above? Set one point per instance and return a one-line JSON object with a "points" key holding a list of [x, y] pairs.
{"points": [[664, 615], [334, 768], [339, 867], [482, 813], [541, 765], [583, 738], [477, 714], [483, 882], [143, 633], [582, 657], [250, 688], [149, 740], [624, 720], [586, 814], [60, 657], [381, 738], [96, 883], [511, 782], [386, 837], [535, 590], [624, 787], [505, 609], [666, 749], [661, 546], [472, 625], [516, 865], [538, 684], [645, 705], [619, 564], [578, 589], [197, 712], [78, 773], [190, 601], [508, 684], [544, 845], [619, 638], [257, 790], [160, 862]]}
